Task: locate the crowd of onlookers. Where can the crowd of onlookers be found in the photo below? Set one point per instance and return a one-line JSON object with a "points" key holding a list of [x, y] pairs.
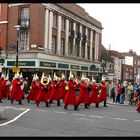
{"points": [[123, 92]]}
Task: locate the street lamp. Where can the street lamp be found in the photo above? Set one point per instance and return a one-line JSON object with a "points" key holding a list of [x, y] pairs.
{"points": [[18, 29]]}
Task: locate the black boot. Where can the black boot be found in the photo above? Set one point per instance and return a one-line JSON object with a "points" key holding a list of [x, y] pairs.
{"points": [[37, 104], [58, 102], [86, 106], [47, 104], [20, 102], [97, 105], [11, 101], [0, 101], [76, 107], [105, 104], [65, 107]]}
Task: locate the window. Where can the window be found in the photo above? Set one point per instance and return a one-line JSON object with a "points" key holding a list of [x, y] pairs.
{"points": [[94, 33], [54, 39], [25, 17], [70, 26], [54, 20], [62, 49], [93, 52], [24, 40], [77, 28], [77, 43], [70, 49], [63, 24], [88, 34], [83, 30], [88, 52], [83, 50]]}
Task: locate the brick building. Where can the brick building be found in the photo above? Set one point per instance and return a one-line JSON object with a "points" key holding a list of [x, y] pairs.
{"points": [[53, 38]]}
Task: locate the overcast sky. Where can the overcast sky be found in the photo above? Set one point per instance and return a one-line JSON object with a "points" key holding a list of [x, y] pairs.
{"points": [[121, 23]]}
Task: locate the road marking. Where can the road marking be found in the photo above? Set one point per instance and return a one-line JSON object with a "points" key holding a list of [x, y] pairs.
{"points": [[136, 120], [15, 118], [10, 107], [120, 119], [85, 119], [41, 110], [79, 114], [96, 116], [60, 112], [107, 117]]}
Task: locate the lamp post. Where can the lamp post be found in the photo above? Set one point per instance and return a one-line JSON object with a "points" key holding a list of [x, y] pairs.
{"points": [[18, 29]]}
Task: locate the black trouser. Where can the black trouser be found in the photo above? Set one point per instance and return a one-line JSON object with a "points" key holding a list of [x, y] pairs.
{"points": [[118, 98], [105, 104]]}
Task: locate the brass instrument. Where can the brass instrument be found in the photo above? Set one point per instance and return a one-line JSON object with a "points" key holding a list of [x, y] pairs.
{"points": [[44, 80], [87, 81]]}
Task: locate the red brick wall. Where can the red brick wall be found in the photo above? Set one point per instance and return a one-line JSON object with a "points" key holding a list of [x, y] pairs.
{"points": [[3, 27], [37, 19]]}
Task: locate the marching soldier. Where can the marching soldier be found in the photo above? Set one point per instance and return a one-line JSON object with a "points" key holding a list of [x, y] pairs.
{"points": [[70, 97], [43, 90], [16, 92], [55, 92], [103, 93], [94, 95], [2, 87], [62, 87], [83, 96]]}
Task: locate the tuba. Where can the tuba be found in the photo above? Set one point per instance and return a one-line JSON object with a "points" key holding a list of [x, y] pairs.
{"points": [[44, 80]]}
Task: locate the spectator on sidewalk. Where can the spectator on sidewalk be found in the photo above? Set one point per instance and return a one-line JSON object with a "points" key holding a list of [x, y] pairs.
{"points": [[118, 93], [122, 94], [113, 92]]}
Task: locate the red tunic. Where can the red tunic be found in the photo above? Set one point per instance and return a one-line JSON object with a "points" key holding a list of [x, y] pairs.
{"points": [[83, 96], [94, 95], [7, 90], [33, 92], [62, 89], [55, 91], [49, 90], [2, 88], [16, 92], [70, 97], [42, 94], [103, 94]]}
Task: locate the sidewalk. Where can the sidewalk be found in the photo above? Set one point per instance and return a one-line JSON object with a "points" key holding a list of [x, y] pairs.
{"points": [[110, 101]]}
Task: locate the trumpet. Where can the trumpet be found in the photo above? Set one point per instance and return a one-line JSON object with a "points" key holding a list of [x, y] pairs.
{"points": [[76, 81]]}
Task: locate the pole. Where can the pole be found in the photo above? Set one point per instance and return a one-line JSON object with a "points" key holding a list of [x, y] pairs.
{"points": [[17, 51]]}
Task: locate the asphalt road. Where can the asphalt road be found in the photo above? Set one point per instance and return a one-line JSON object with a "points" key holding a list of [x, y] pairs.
{"points": [[29, 120]]}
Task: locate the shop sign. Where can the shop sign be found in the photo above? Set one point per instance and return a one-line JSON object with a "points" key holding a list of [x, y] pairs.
{"points": [[64, 66], [47, 64], [84, 68], [21, 63], [76, 67]]}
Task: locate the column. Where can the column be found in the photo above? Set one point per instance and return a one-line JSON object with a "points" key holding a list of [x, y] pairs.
{"points": [[74, 28], [67, 37], [91, 41], [59, 35], [97, 47], [46, 29], [86, 45], [50, 32], [95, 52], [80, 53]]}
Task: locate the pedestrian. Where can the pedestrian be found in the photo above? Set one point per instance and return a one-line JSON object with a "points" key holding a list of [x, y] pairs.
{"points": [[122, 94], [70, 97], [118, 93], [113, 92]]}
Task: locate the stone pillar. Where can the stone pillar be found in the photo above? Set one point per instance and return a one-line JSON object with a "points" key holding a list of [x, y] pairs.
{"points": [[50, 32], [46, 29], [91, 41], [80, 44], [74, 28], [86, 45], [67, 37], [59, 35]]}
